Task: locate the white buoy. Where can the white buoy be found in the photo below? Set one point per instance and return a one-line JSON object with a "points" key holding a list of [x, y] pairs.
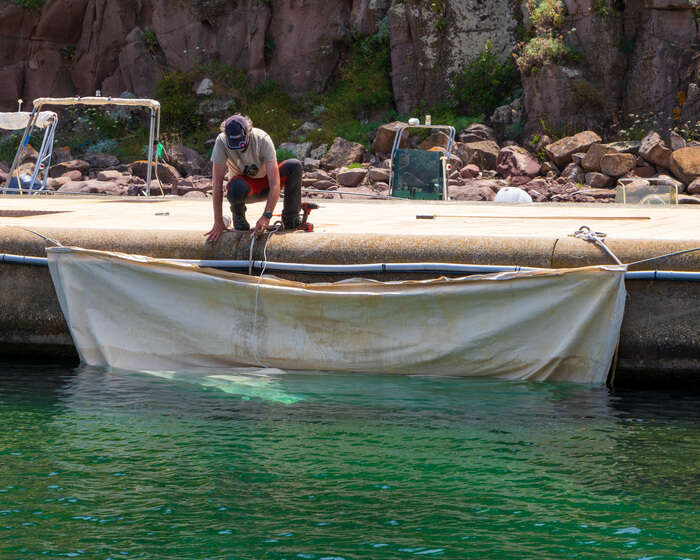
{"points": [[512, 194]]}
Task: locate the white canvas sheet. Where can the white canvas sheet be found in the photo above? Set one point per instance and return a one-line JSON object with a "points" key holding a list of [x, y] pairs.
{"points": [[150, 103], [137, 313], [19, 120]]}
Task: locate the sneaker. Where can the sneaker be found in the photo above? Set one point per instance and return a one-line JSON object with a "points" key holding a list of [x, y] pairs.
{"points": [[239, 221]]}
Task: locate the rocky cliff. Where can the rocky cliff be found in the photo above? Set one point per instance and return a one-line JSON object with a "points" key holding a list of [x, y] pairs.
{"points": [[631, 56]]}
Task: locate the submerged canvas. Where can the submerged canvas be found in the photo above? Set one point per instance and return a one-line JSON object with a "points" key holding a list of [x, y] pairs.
{"points": [[134, 312]]}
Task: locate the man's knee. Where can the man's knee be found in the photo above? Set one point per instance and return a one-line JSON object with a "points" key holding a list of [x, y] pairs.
{"points": [[237, 190], [291, 168]]}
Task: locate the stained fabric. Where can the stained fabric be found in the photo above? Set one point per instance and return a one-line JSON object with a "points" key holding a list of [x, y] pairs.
{"points": [[139, 313]]}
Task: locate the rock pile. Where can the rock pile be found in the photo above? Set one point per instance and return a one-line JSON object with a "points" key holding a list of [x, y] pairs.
{"points": [[578, 168]]}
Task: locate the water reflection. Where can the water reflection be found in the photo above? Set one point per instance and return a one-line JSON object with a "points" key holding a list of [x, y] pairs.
{"points": [[208, 464]]}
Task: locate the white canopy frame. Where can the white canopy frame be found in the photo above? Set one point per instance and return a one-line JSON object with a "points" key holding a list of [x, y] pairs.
{"points": [[46, 120], [34, 121]]}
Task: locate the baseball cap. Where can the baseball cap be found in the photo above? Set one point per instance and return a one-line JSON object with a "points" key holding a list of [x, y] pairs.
{"points": [[236, 131]]}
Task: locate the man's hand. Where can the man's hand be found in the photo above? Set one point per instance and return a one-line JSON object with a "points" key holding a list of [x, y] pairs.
{"points": [[262, 224], [214, 233]]}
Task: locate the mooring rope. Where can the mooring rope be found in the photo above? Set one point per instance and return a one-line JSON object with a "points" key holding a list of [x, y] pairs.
{"points": [[46, 238], [665, 256], [276, 228], [595, 237]]}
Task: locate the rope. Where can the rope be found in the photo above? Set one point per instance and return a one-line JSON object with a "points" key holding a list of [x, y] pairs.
{"points": [[665, 256], [56, 243], [276, 228], [595, 237]]}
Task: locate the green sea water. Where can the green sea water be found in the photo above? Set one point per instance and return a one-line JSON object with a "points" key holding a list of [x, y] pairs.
{"points": [[122, 465]]}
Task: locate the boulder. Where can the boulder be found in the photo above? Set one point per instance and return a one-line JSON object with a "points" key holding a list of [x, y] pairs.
{"points": [[654, 150], [598, 180], [311, 164], [694, 187], [473, 190], [549, 168], [626, 146], [304, 129], [342, 154], [677, 141], [378, 174], [300, 150], [577, 158], [186, 160], [71, 187], [476, 132], [591, 161], [101, 161], [514, 161], [351, 177], [62, 154], [573, 173], [384, 140], [72, 175], [166, 173], [320, 175], [437, 139], [672, 182], [324, 184], [318, 153], [205, 87], [74, 164], [644, 171], [685, 164], [470, 171], [617, 165], [109, 175], [560, 152], [483, 153]]}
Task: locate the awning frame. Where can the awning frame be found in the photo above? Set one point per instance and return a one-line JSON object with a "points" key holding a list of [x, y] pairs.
{"points": [[47, 144]]}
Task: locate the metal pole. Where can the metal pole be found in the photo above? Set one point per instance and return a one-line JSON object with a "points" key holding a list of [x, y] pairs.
{"points": [[150, 153], [20, 150], [157, 140]]}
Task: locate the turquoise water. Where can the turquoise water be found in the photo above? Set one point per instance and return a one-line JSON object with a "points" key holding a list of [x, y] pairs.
{"points": [[308, 466]]}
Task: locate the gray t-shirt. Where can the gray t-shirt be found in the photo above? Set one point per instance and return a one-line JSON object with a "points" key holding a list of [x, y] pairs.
{"points": [[252, 161]]}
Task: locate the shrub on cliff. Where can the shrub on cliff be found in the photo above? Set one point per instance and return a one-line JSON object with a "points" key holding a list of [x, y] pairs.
{"points": [[485, 83], [362, 87]]}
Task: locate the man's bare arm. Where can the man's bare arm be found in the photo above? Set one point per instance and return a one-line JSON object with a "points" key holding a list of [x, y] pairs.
{"points": [[217, 192]]}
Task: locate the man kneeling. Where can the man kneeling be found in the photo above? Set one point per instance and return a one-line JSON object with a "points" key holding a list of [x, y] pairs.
{"points": [[249, 154]]}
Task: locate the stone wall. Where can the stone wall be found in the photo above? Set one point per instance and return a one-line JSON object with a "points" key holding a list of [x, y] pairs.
{"points": [[636, 61], [78, 46]]}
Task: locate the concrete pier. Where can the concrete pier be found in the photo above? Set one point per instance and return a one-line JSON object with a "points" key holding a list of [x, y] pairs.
{"points": [[661, 330]]}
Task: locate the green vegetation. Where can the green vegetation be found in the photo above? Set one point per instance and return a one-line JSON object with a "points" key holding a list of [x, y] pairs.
{"points": [[8, 146], [486, 83], [29, 4], [151, 40], [283, 154], [539, 51], [546, 43], [267, 105], [606, 8], [363, 87], [546, 15]]}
